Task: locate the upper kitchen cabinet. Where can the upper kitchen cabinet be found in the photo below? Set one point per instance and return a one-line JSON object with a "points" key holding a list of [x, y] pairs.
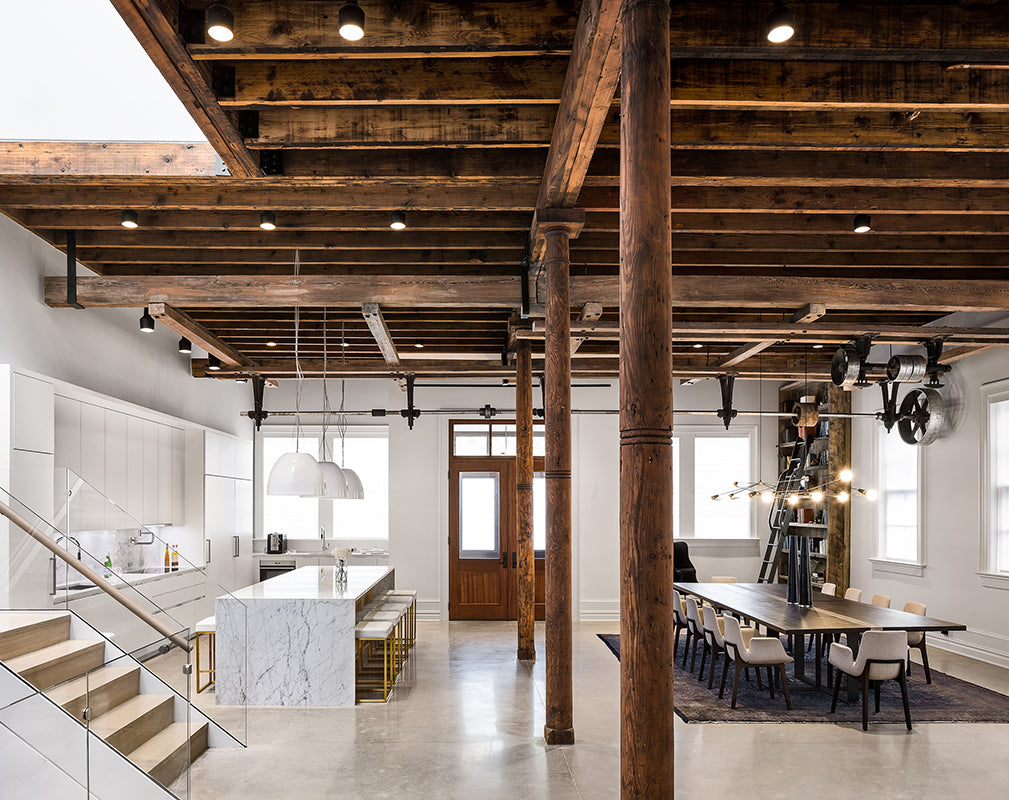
{"points": [[33, 414]]}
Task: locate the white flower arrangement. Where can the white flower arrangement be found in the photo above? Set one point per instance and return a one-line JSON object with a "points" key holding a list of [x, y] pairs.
{"points": [[343, 553]]}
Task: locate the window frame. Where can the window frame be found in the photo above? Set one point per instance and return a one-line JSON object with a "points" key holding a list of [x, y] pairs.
{"points": [[686, 506], [991, 394], [882, 563]]}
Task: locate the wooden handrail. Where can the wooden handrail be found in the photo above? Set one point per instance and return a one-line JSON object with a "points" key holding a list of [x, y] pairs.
{"points": [[95, 578]]}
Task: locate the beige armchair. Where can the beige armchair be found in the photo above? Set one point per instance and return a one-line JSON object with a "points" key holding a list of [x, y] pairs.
{"points": [[881, 657], [757, 652], [714, 641], [881, 600], [916, 639]]}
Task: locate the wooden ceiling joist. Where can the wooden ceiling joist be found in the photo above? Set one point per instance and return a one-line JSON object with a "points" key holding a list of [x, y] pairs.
{"points": [[184, 159], [376, 324], [591, 312], [159, 37], [808, 313], [186, 326]]}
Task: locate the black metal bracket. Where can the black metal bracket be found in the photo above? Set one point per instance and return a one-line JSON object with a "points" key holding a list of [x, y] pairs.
{"points": [[72, 270], [933, 352], [727, 413], [488, 411], [541, 412], [863, 346], [524, 276], [258, 415], [410, 413], [889, 416]]}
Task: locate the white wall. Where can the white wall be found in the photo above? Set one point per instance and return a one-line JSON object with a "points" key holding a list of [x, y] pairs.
{"points": [[81, 75], [949, 587], [102, 349]]}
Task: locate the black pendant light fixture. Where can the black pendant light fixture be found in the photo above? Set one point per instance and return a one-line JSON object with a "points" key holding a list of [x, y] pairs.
{"points": [[185, 346], [352, 22], [213, 362], [146, 321], [862, 223], [397, 220], [780, 22], [220, 23], [268, 221], [129, 219]]}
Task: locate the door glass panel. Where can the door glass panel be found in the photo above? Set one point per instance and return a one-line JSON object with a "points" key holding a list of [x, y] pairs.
{"points": [[479, 518], [502, 441], [540, 514], [471, 440]]}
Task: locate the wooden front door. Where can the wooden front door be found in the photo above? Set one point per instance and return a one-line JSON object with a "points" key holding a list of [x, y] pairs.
{"points": [[482, 539]]}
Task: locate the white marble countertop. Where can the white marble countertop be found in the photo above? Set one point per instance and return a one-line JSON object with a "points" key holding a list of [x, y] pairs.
{"points": [[315, 583], [126, 579], [320, 554]]}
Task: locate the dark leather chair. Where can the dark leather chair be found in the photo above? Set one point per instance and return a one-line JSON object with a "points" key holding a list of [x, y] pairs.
{"points": [[683, 570]]}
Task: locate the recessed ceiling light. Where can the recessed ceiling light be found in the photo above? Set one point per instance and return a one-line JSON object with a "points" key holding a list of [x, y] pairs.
{"points": [[129, 219], [220, 23], [418, 344], [268, 221], [698, 346], [271, 344], [351, 22], [817, 346], [780, 22]]}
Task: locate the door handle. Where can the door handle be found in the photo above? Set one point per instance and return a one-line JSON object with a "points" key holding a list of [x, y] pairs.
{"points": [[515, 561], [504, 561], [206, 556]]}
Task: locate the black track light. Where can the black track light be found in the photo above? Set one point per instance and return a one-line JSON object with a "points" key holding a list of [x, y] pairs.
{"points": [[862, 224], [397, 220], [146, 322], [268, 221], [780, 22], [351, 22], [185, 346], [129, 219], [213, 362], [220, 23]]}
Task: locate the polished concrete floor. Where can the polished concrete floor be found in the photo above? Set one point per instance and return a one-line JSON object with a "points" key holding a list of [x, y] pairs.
{"points": [[468, 723]]}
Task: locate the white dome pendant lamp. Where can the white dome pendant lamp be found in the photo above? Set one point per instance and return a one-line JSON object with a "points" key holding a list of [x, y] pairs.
{"points": [[296, 473], [336, 482], [355, 489]]}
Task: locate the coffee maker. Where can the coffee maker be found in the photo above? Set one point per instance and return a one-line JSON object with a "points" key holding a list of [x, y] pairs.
{"points": [[276, 543]]}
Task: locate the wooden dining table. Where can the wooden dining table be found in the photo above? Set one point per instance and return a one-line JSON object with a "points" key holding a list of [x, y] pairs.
{"points": [[766, 605]]}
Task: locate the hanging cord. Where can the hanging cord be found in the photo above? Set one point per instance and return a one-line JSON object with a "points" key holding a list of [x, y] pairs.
{"points": [[341, 425], [297, 362], [325, 391]]}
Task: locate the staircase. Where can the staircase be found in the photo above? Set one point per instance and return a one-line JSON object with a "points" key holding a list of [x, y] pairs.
{"points": [[141, 725], [782, 514]]}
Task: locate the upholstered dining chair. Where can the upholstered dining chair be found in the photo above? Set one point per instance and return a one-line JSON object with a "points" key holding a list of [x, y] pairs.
{"points": [[714, 641], [679, 621], [829, 589], [759, 651], [853, 594], [722, 579], [683, 569], [916, 639], [881, 657], [881, 600], [695, 633]]}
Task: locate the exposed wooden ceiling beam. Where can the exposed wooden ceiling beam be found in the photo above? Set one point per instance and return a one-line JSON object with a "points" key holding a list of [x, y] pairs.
{"points": [[306, 29], [591, 312], [185, 325], [694, 291], [159, 37], [186, 159], [808, 313], [285, 255], [376, 324]]}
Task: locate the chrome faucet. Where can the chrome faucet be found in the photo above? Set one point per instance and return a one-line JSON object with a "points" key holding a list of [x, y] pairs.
{"points": [[322, 535], [70, 539]]}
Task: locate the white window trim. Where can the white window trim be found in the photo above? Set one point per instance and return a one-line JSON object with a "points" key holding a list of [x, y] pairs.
{"points": [[880, 563], [992, 392], [687, 487]]}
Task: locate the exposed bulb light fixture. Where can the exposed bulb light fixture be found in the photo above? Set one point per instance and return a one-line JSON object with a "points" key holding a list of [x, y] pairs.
{"points": [[351, 22], [816, 496], [268, 221], [871, 494], [397, 220], [185, 346], [842, 497], [862, 223], [146, 321], [767, 496], [213, 363], [845, 475], [793, 499], [220, 23], [129, 219], [780, 22]]}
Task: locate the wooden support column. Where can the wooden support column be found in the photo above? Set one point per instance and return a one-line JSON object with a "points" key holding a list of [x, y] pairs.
{"points": [[646, 413], [559, 728], [839, 514], [524, 500]]}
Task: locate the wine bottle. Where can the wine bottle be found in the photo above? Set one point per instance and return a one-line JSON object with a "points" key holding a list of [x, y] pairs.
{"points": [[175, 558], [168, 558]]}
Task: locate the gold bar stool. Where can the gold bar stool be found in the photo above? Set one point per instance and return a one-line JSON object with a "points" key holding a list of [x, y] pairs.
{"points": [[368, 635], [206, 627], [396, 614], [411, 595]]}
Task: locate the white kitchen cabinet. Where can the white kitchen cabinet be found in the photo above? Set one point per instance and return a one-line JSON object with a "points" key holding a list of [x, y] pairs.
{"points": [[30, 482], [165, 474], [150, 472], [219, 528], [90, 500], [243, 460], [245, 568], [178, 476], [67, 449], [116, 480], [33, 414], [135, 467]]}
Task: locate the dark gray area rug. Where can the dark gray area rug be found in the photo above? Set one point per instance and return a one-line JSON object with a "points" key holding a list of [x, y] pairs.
{"points": [[946, 699]]}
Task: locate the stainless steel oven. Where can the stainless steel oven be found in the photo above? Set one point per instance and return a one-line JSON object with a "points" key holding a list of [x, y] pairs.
{"points": [[272, 567]]}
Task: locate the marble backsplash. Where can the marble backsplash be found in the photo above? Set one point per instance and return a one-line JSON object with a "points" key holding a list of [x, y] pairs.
{"points": [[127, 556]]}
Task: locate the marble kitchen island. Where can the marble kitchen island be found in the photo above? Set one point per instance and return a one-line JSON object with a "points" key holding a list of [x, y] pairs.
{"points": [[299, 630]]}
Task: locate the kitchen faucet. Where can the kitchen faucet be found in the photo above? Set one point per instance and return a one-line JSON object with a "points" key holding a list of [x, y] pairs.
{"points": [[322, 535]]}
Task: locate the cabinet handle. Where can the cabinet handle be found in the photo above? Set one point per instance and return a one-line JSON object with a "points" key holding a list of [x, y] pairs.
{"points": [[206, 556], [236, 546]]}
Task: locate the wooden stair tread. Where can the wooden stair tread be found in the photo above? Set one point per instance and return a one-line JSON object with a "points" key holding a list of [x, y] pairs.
{"points": [[23, 632], [88, 684], [53, 653], [117, 718], [160, 750]]}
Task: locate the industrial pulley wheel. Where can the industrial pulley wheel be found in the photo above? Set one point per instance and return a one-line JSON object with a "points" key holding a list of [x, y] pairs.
{"points": [[906, 368], [805, 415], [845, 366], [922, 417]]}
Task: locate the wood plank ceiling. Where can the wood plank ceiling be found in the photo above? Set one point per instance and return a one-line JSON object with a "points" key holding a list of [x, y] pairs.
{"points": [[470, 116]]}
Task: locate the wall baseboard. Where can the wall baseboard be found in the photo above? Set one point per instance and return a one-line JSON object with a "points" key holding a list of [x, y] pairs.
{"points": [[429, 611], [991, 648], [599, 611]]}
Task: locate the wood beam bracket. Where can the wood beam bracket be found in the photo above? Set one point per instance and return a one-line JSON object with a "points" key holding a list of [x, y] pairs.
{"points": [[185, 325], [376, 324], [410, 413], [571, 220], [726, 382], [258, 415]]}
